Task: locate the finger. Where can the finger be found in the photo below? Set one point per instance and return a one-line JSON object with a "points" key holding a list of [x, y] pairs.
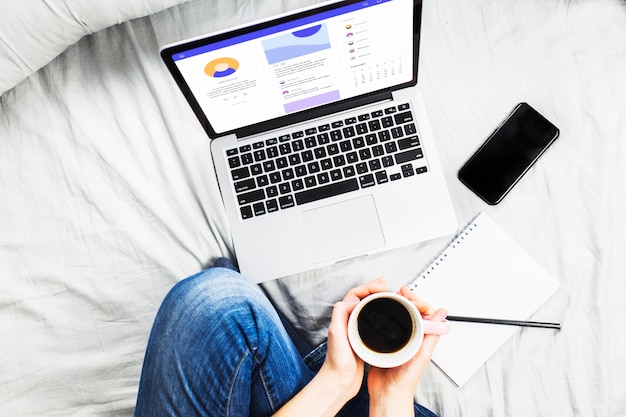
{"points": [[424, 308], [431, 340], [362, 291], [341, 311], [428, 345]]}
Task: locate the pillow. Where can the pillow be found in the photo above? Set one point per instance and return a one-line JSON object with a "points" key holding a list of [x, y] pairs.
{"points": [[34, 32]]}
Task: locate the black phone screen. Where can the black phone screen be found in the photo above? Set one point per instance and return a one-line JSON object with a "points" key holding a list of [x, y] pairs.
{"points": [[508, 153]]}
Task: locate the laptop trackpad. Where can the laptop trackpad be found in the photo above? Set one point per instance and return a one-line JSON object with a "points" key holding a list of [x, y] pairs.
{"points": [[343, 229]]}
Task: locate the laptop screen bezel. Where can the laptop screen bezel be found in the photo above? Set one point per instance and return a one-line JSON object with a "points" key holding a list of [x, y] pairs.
{"points": [[168, 53]]}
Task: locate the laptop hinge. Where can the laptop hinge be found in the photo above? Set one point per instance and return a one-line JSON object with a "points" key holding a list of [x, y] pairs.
{"points": [[326, 110]]}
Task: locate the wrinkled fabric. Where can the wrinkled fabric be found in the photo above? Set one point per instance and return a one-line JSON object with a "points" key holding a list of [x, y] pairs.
{"points": [[33, 32], [108, 197]]}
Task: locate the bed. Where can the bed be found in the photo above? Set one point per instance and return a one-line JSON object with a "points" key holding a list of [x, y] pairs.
{"points": [[108, 196]]}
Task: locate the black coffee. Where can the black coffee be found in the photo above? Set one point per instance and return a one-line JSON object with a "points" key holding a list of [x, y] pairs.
{"points": [[385, 325]]}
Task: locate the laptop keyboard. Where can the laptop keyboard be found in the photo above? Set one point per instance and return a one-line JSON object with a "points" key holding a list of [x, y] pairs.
{"points": [[336, 157]]}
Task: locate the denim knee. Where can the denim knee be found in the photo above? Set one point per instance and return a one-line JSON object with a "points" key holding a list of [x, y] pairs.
{"points": [[207, 328], [212, 294]]}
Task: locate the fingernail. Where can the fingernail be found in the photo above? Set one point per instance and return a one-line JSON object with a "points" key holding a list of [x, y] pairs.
{"points": [[443, 313]]}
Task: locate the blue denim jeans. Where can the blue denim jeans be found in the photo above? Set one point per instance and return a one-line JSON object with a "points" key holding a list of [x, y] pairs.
{"points": [[219, 348]]}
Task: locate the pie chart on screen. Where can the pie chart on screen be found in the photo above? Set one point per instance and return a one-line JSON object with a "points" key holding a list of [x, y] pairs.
{"points": [[221, 67]]}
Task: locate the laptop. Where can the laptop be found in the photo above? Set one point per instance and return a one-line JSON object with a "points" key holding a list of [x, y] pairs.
{"points": [[320, 139]]}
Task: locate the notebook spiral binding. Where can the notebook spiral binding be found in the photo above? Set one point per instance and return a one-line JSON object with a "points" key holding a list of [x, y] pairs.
{"points": [[441, 256]]}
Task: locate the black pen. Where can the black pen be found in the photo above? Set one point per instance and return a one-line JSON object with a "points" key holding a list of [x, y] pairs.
{"points": [[505, 322]]}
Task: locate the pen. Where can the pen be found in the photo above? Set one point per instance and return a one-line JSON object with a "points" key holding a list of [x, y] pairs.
{"points": [[505, 322]]}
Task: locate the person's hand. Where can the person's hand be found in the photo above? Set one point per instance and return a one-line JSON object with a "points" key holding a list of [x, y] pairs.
{"points": [[340, 377], [340, 359], [395, 387]]}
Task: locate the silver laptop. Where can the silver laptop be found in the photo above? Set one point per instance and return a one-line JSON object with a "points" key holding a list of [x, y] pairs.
{"points": [[320, 139]]}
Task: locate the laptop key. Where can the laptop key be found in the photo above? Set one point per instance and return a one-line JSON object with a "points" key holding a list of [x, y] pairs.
{"points": [[390, 110], [286, 202], [397, 132], [301, 171], [349, 171], [410, 129], [336, 175], [374, 125], [240, 173], [310, 142], [307, 156], [260, 155], [288, 174], [284, 188], [404, 117], [326, 191], [409, 155], [388, 161], [258, 209], [407, 143], [297, 145], [310, 181], [361, 168], [352, 157], [246, 212], [245, 185], [387, 121], [384, 136], [272, 191], [269, 166], [282, 162], [272, 205], [275, 177], [336, 135], [297, 185], [262, 180], [256, 169], [247, 158], [323, 178], [349, 132], [381, 177], [251, 197], [323, 138], [374, 164], [367, 180]]}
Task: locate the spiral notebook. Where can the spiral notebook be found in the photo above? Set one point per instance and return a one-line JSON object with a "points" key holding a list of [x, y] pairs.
{"points": [[482, 272]]}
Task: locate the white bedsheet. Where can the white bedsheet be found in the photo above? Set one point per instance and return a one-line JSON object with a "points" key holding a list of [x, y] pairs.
{"points": [[108, 197]]}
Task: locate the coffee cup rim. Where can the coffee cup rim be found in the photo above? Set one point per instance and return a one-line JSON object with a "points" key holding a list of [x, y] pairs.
{"points": [[393, 359]]}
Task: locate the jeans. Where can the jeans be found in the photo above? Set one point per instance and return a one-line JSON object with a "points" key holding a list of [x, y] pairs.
{"points": [[219, 348]]}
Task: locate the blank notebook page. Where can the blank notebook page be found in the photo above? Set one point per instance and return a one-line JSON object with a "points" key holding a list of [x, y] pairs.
{"points": [[481, 273]]}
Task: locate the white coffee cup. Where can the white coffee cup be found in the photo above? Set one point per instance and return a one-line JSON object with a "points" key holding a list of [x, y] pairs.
{"points": [[386, 329]]}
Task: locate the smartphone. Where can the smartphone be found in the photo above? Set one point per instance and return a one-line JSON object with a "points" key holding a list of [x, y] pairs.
{"points": [[510, 151]]}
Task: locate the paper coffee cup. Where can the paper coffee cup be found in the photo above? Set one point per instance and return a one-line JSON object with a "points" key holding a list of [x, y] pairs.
{"points": [[386, 329]]}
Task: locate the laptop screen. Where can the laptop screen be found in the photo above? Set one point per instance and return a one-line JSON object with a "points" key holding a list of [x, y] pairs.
{"points": [[273, 73]]}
